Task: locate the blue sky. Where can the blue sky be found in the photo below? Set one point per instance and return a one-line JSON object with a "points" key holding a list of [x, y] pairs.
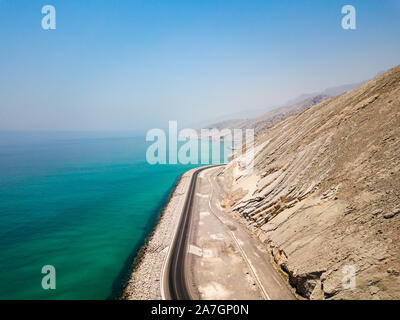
{"points": [[132, 65]]}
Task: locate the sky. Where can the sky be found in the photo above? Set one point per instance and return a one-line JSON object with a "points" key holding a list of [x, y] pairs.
{"points": [[132, 65]]}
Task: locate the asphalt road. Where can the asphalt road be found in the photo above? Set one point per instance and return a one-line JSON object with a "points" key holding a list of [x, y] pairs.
{"points": [[176, 275], [176, 288]]}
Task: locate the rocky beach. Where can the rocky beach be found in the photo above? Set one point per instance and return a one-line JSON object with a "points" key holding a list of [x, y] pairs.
{"points": [[144, 283]]}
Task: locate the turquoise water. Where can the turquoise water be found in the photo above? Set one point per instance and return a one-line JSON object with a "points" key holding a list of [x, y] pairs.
{"points": [[83, 203]]}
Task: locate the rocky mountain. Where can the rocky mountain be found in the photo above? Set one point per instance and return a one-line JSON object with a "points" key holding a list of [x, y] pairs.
{"points": [[270, 118], [229, 121], [332, 92], [324, 194]]}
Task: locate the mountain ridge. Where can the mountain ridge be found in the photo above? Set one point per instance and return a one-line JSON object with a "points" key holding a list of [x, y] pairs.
{"points": [[324, 193]]}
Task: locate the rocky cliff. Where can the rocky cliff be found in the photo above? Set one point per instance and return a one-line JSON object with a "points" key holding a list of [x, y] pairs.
{"points": [[324, 195]]}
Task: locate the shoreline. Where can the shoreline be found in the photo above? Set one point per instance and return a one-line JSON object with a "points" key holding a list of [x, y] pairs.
{"points": [[133, 262], [144, 280]]}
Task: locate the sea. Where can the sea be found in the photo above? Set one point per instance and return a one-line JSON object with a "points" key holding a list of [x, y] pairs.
{"points": [[81, 202]]}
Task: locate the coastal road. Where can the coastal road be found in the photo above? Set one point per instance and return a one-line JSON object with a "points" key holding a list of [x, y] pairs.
{"points": [[173, 276], [213, 256]]}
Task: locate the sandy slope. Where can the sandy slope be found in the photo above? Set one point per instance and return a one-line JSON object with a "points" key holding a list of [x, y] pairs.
{"points": [[325, 193]]}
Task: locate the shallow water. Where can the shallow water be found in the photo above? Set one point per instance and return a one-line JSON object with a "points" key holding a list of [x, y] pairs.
{"points": [[83, 203]]}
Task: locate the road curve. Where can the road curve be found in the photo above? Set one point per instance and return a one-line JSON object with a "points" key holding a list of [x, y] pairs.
{"points": [[174, 273]]}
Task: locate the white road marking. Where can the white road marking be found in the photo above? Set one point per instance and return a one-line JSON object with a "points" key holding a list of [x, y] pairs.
{"points": [[195, 250], [202, 195], [204, 214], [218, 236]]}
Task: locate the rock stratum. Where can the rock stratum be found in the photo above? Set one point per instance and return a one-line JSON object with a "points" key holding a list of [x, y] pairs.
{"points": [[324, 194]]}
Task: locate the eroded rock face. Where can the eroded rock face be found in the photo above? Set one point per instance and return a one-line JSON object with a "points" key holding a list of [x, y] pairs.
{"points": [[325, 193]]}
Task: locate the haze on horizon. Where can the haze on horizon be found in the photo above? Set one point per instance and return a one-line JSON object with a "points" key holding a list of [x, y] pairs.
{"points": [[134, 65]]}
